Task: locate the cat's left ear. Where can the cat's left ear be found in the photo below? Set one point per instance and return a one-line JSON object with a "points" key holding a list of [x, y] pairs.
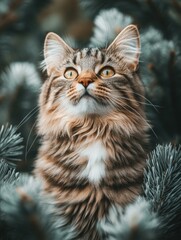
{"points": [[55, 51], [127, 45]]}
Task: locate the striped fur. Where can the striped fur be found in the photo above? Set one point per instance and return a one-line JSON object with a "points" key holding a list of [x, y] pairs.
{"points": [[94, 141]]}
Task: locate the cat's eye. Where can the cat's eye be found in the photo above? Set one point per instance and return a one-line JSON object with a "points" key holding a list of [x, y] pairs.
{"points": [[106, 72], [70, 73]]}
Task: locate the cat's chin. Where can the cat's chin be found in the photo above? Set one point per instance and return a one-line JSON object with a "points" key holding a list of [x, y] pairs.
{"points": [[86, 96], [86, 105]]}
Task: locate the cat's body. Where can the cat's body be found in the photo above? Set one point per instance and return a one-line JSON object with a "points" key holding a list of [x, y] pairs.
{"points": [[94, 131]]}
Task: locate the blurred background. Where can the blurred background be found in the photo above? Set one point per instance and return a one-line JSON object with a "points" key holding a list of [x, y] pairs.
{"points": [[24, 25]]}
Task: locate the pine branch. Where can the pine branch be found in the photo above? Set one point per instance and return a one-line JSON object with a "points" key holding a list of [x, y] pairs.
{"points": [[28, 214], [19, 90], [162, 188], [19, 74], [136, 221], [157, 215], [158, 66], [145, 13], [107, 25], [10, 148], [10, 151], [7, 173], [19, 80]]}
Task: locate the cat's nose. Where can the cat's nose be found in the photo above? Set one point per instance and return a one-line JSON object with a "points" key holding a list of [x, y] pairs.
{"points": [[85, 81]]}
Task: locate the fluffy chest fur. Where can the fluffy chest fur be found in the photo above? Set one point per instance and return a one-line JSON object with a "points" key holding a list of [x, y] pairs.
{"points": [[86, 173], [96, 155]]}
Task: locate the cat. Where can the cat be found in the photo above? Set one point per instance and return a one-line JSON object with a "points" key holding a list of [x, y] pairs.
{"points": [[93, 128]]}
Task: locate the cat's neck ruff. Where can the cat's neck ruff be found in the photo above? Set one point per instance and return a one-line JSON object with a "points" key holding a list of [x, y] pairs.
{"points": [[91, 125]]}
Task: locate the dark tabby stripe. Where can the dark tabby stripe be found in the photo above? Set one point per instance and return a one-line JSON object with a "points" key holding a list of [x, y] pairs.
{"points": [[96, 52], [89, 52], [48, 91], [74, 59], [102, 58]]}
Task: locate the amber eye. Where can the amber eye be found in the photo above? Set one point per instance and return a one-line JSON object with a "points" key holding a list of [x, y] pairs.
{"points": [[70, 73], [106, 72]]}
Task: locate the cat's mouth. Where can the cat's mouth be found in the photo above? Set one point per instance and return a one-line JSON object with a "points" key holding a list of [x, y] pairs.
{"points": [[87, 95]]}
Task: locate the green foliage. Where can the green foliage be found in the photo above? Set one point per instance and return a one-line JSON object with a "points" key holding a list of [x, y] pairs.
{"points": [[157, 214], [26, 213], [163, 190], [164, 15], [19, 88], [10, 148], [7, 173], [136, 221], [106, 27]]}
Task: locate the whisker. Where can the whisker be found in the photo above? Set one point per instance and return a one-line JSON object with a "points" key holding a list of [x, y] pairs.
{"points": [[28, 116], [135, 112], [146, 99], [32, 144], [133, 100], [27, 141]]}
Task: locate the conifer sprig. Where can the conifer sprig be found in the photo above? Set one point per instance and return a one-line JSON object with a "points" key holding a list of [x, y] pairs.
{"points": [[10, 145]]}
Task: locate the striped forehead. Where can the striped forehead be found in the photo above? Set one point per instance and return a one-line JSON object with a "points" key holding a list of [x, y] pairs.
{"points": [[88, 57]]}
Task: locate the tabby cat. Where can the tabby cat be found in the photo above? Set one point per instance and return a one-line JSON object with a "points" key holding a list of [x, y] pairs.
{"points": [[93, 128]]}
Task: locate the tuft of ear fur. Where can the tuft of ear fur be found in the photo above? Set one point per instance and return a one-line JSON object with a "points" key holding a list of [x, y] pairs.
{"points": [[55, 51], [127, 45]]}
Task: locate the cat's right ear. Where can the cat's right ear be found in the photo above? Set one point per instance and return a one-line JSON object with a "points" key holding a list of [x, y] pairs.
{"points": [[127, 46], [55, 51]]}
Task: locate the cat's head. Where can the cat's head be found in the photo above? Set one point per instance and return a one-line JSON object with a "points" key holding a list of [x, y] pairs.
{"points": [[92, 81]]}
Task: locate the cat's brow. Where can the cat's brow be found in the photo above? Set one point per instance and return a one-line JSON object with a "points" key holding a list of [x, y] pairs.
{"points": [[109, 59], [68, 61], [96, 52], [74, 59], [86, 52], [102, 58]]}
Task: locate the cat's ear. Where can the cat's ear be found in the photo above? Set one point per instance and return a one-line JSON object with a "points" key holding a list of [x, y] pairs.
{"points": [[127, 45], [55, 51]]}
